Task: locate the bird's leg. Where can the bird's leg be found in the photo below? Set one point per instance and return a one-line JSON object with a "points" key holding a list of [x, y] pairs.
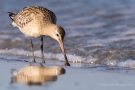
{"points": [[31, 44], [42, 49]]}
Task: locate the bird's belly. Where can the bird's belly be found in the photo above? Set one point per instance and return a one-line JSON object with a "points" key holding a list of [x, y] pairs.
{"points": [[31, 31]]}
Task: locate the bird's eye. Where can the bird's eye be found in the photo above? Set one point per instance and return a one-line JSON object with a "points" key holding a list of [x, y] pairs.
{"points": [[57, 34]]}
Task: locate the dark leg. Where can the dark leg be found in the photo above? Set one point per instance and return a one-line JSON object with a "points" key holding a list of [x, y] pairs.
{"points": [[42, 50], [31, 44]]}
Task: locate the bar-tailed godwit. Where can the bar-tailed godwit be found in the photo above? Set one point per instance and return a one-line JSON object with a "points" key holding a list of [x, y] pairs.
{"points": [[37, 21]]}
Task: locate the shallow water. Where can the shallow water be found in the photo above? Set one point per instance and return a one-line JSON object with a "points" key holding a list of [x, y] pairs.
{"points": [[98, 32], [86, 78], [104, 28]]}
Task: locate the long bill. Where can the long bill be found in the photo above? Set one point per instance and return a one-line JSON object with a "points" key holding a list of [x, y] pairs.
{"points": [[64, 53]]}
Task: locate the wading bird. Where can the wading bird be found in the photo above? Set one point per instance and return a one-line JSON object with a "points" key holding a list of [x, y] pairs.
{"points": [[37, 21]]}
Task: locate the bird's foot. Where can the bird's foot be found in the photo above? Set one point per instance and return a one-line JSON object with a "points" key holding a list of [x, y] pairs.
{"points": [[31, 63], [43, 61], [34, 61], [41, 64]]}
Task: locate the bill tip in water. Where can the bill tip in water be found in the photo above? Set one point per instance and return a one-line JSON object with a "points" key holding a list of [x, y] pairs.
{"points": [[67, 64]]}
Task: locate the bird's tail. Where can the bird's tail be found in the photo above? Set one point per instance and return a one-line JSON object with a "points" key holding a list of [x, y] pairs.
{"points": [[11, 15]]}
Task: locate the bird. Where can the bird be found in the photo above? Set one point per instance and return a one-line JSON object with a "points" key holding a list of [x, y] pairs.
{"points": [[38, 21]]}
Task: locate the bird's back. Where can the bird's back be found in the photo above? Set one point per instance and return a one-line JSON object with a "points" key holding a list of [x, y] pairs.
{"points": [[28, 14]]}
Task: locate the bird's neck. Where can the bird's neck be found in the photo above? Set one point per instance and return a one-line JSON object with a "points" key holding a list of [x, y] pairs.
{"points": [[48, 30]]}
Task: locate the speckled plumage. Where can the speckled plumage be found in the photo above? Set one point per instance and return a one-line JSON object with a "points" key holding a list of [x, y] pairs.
{"points": [[27, 14]]}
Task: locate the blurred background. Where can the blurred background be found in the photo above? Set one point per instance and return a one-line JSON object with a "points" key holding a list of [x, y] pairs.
{"points": [[97, 31], [100, 45]]}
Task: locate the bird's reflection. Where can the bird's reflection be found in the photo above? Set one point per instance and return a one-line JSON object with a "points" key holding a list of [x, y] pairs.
{"points": [[36, 75]]}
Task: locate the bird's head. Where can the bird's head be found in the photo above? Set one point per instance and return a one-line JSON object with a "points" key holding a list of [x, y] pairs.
{"points": [[58, 33]]}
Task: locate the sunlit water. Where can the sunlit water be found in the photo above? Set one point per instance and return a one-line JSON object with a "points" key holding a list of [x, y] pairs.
{"points": [[98, 33]]}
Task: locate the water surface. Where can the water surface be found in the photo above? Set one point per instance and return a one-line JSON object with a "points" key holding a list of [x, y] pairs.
{"points": [[98, 32]]}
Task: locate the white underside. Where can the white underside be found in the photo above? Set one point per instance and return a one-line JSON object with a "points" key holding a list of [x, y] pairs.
{"points": [[29, 30]]}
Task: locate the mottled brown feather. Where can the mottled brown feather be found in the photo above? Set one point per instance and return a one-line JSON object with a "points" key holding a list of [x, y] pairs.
{"points": [[28, 13]]}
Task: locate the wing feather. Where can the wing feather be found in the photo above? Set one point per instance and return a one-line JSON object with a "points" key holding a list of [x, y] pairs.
{"points": [[28, 13]]}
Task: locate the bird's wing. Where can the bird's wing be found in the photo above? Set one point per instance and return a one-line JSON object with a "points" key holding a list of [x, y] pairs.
{"points": [[23, 17], [28, 13]]}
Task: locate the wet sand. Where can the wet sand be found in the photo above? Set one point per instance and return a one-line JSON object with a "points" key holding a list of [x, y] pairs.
{"points": [[100, 40], [77, 77]]}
